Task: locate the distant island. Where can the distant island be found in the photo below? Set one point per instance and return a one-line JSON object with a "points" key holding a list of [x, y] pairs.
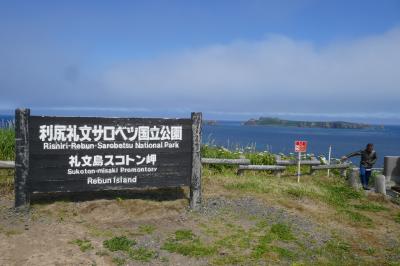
{"points": [[210, 122], [271, 121]]}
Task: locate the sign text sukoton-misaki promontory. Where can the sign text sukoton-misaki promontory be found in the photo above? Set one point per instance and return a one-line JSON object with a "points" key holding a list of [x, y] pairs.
{"points": [[76, 154]]}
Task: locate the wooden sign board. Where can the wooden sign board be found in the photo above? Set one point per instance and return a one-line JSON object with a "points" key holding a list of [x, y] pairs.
{"points": [[75, 154]]}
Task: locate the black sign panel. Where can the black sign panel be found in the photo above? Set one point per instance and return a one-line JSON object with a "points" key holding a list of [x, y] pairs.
{"points": [[86, 154]]}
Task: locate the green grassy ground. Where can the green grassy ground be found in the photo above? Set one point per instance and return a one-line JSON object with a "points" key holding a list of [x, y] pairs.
{"points": [[252, 219]]}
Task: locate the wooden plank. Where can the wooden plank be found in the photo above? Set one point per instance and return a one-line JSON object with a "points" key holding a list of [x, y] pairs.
{"points": [[275, 168], [195, 187], [294, 162], [7, 164], [21, 158], [225, 161], [372, 169], [343, 168], [332, 166], [262, 167]]}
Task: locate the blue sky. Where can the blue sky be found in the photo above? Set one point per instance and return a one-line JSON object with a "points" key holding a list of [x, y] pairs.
{"points": [[229, 59]]}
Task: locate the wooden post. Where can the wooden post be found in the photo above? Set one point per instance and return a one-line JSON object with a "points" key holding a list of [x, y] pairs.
{"points": [[354, 179], [312, 171], [278, 173], [380, 184], [343, 172], [195, 182], [21, 189]]}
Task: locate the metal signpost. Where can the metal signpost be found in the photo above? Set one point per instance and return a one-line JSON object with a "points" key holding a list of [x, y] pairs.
{"points": [[299, 147]]}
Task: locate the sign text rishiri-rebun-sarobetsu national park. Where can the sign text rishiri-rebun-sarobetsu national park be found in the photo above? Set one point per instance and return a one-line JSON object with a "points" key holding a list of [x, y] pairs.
{"points": [[76, 154]]}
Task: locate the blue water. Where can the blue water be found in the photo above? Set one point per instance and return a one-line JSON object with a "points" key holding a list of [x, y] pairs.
{"points": [[281, 139]]}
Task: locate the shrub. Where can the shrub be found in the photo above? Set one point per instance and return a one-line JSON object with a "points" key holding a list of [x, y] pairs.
{"points": [[265, 158]]}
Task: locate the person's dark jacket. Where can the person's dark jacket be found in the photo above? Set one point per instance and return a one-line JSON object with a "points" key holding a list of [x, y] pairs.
{"points": [[367, 159]]}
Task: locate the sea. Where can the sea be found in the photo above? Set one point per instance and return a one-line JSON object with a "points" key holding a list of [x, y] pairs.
{"points": [[276, 139], [234, 135]]}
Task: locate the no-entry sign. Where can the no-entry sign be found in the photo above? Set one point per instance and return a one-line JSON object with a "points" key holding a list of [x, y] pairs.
{"points": [[300, 146]]}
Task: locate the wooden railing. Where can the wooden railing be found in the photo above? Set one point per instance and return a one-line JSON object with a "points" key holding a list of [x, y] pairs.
{"points": [[7, 164]]}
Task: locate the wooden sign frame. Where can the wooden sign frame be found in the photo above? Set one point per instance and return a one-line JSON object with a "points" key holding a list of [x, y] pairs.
{"points": [[48, 163]]}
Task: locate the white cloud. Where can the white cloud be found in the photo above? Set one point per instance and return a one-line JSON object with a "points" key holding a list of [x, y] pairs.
{"points": [[277, 74]]}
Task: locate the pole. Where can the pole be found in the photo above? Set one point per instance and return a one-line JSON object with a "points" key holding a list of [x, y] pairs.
{"points": [[195, 184], [298, 168], [21, 189], [329, 158]]}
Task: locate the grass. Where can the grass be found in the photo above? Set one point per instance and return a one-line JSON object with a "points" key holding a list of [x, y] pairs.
{"points": [[239, 246], [277, 232], [262, 247], [9, 232], [248, 186], [300, 192], [142, 254], [282, 231], [237, 239], [119, 261], [126, 245], [397, 218], [338, 194], [356, 217], [6, 181], [147, 228], [325, 200], [232, 238], [117, 243], [351, 206], [337, 251], [194, 248], [184, 242], [184, 235], [210, 151], [7, 153], [7, 144], [84, 244], [370, 207]]}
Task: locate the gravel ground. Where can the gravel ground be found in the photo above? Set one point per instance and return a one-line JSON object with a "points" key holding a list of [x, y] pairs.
{"points": [[249, 206]]}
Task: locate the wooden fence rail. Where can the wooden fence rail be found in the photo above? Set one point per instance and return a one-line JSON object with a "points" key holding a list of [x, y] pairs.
{"points": [[225, 161], [278, 169], [294, 162], [342, 167], [7, 164]]}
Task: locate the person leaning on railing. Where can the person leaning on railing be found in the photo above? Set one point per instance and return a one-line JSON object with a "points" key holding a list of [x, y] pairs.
{"points": [[368, 159]]}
